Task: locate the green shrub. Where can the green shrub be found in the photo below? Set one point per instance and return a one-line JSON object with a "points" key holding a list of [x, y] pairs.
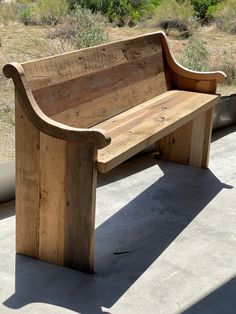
{"points": [[42, 12], [196, 55], [51, 12], [225, 16], [26, 14], [203, 8], [90, 28], [173, 14], [93, 5], [121, 12]]}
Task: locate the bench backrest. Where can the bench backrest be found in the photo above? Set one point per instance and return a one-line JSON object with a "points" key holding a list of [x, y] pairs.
{"points": [[85, 87]]}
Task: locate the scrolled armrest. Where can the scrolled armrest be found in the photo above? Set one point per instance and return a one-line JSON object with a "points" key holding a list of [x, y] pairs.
{"points": [[218, 76], [41, 121]]}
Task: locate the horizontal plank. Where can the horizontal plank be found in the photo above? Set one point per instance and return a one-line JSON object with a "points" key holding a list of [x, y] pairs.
{"points": [[56, 69], [143, 125], [64, 96]]}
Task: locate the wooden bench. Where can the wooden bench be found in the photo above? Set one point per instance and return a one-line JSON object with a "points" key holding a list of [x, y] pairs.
{"points": [[88, 111]]}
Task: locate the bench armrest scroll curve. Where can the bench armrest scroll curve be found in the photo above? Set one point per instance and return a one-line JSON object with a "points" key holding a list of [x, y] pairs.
{"points": [[218, 76], [43, 122]]}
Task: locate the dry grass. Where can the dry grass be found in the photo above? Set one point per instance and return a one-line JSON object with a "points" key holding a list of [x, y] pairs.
{"points": [[21, 43], [15, 47]]}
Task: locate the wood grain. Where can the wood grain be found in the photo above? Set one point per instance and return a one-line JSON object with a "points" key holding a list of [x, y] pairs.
{"points": [[54, 70], [145, 124], [207, 138], [52, 199], [90, 110], [27, 184], [80, 206], [176, 146]]}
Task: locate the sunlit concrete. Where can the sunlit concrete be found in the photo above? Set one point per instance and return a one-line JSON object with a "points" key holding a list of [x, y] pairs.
{"points": [[165, 243]]}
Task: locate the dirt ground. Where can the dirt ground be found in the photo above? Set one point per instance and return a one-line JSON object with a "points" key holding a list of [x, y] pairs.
{"points": [[21, 43]]}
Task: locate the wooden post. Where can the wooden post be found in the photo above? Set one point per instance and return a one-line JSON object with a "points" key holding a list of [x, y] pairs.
{"points": [[55, 197], [190, 143], [27, 184], [81, 177]]}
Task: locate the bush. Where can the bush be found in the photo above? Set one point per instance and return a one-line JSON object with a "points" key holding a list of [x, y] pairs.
{"points": [[196, 55], [51, 12], [93, 5], [121, 12], [225, 16], [173, 14], [90, 28], [203, 9], [229, 66], [26, 14], [130, 12], [41, 12]]}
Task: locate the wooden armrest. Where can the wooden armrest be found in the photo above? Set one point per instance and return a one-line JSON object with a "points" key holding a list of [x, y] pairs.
{"points": [[218, 76], [44, 123]]}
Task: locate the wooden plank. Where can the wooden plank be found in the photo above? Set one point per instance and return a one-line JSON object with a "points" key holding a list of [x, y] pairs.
{"points": [[197, 140], [27, 184], [52, 199], [207, 138], [152, 123], [176, 146], [53, 70], [190, 76], [80, 206], [190, 144], [100, 109], [195, 85], [89, 89]]}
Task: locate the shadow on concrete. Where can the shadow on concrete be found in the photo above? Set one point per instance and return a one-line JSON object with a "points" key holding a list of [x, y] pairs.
{"points": [[126, 244], [7, 209], [218, 134], [134, 165], [222, 300]]}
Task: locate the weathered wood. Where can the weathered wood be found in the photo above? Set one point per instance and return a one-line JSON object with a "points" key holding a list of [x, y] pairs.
{"points": [[189, 144], [207, 138], [138, 128], [70, 107], [81, 178], [52, 199], [43, 122], [27, 184], [189, 75], [57, 69], [176, 146]]}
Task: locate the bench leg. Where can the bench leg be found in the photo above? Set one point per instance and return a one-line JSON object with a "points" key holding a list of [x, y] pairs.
{"points": [[55, 198], [67, 209], [190, 144]]}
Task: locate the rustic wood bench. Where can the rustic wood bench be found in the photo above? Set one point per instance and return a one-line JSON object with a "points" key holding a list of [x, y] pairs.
{"points": [[87, 111]]}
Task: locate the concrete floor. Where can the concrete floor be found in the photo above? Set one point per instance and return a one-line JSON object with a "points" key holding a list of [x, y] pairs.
{"points": [[165, 243]]}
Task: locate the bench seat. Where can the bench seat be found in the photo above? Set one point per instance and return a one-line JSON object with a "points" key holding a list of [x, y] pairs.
{"points": [[143, 125]]}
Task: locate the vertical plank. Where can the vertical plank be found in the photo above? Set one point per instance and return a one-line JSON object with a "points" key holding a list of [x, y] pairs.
{"points": [[80, 208], [27, 185], [52, 199], [197, 140], [190, 144], [176, 146], [207, 138]]}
